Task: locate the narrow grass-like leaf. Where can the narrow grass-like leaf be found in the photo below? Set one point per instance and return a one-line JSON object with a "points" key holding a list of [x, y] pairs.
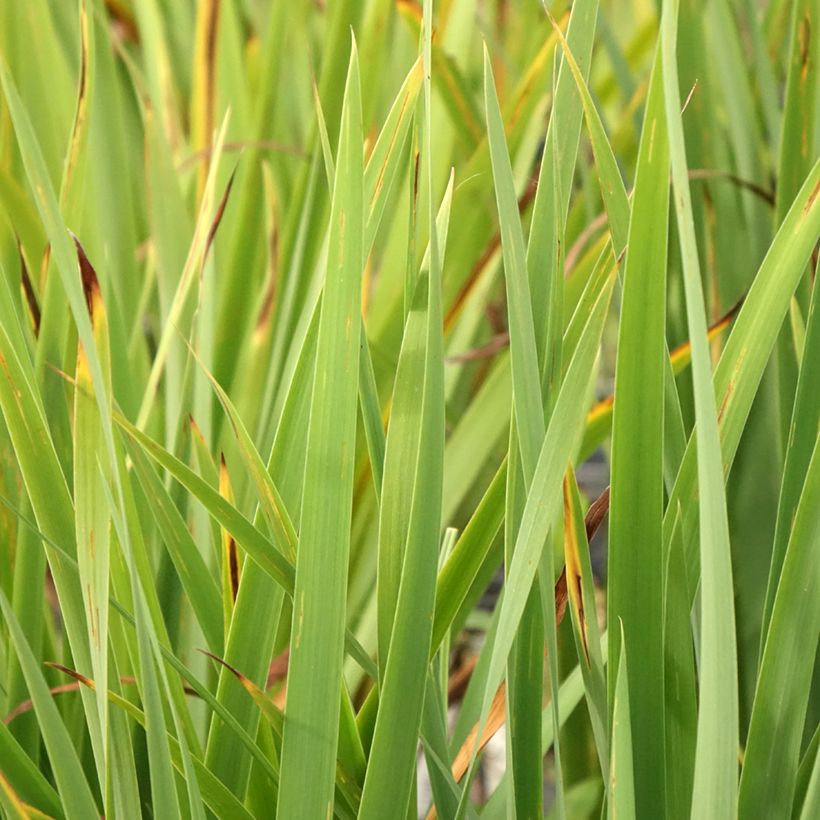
{"points": [[202, 691], [404, 652], [194, 575], [403, 447], [371, 415], [797, 140], [311, 710], [612, 187], [327, 151], [272, 504], [110, 110], [770, 763], [811, 803], [151, 677], [468, 554], [543, 500], [443, 786], [407, 652], [621, 801], [218, 798], [715, 783], [803, 432], [584, 616], [77, 799], [24, 776], [93, 525], [525, 676], [799, 120], [617, 207], [570, 693], [529, 412], [679, 682], [11, 803], [635, 571], [271, 559], [384, 163], [200, 243]]}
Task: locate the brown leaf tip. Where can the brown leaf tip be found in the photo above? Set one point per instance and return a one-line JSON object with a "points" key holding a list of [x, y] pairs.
{"points": [[244, 680], [233, 568], [220, 212], [195, 428], [83, 679], [88, 276]]}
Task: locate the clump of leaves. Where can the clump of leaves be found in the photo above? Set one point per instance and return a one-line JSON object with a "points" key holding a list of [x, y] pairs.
{"points": [[317, 322]]}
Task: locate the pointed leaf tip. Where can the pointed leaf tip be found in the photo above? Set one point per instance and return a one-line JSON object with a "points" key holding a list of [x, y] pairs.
{"points": [[91, 283]]}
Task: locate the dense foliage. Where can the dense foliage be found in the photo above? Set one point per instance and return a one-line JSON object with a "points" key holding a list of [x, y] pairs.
{"points": [[317, 319]]}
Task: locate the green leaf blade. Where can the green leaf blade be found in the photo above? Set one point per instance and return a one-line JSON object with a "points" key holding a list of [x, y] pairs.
{"points": [[311, 710], [635, 564]]}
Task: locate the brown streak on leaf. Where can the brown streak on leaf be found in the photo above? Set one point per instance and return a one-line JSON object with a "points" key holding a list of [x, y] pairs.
{"points": [[220, 211], [409, 7], [28, 290], [573, 567], [28, 705], [724, 402], [210, 62], [596, 513], [730, 388], [233, 562], [44, 263], [746, 184], [91, 284], [123, 19], [228, 541], [269, 298], [603, 406], [278, 669], [804, 37], [561, 597], [380, 178], [81, 92], [92, 623], [812, 197], [266, 310], [81, 111]]}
